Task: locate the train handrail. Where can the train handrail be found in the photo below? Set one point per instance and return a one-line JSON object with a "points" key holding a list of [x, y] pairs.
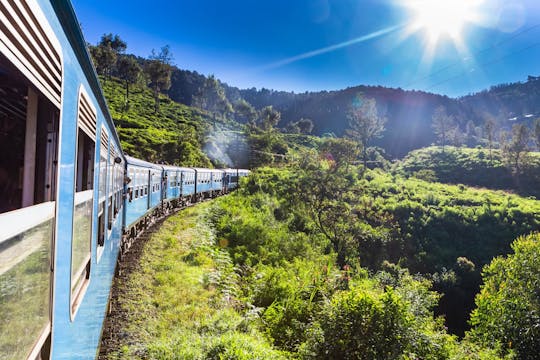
{"points": [[18, 221]]}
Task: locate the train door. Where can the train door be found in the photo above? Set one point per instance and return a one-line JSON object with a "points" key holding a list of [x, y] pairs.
{"points": [[149, 186], [30, 102], [164, 184]]}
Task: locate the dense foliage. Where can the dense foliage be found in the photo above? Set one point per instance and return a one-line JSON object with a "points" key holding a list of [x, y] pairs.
{"points": [[473, 167], [508, 307], [314, 307]]}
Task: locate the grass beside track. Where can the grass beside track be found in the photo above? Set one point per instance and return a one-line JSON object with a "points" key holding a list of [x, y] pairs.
{"points": [[176, 303]]}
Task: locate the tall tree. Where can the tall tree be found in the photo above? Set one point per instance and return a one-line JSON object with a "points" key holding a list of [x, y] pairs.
{"points": [[158, 68], [305, 125], [470, 134], [489, 127], [442, 124], [515, 149], [270, 117], [245, 113], [129, 71], [456, 137], [104, 59], [114, 42], [211, 97], [537, 133], [106, 53], [365, 123]]}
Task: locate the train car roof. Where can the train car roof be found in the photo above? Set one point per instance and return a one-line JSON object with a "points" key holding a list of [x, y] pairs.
{"points": [[138, 162], [177, 168], [235, 170], [72, 30]]}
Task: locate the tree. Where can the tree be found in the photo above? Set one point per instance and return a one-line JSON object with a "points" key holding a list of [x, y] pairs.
{"points": [[305, 125], [365, 123], [104, 59], [211, 97], [442, 124], [537, 133], [106, 53], [470, 134], [515, 149], [507, 314], [455, 136], [489, 127], [114, 42], [269, 118], [245, 113], [158, 68], [129, 71], [342, 152]]}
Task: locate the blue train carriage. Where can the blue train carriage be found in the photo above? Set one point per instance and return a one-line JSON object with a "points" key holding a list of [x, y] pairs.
{"points": [[231, 178], [187, 189], [171, 186], [179, 186], [61, 179], [203, 183], [217, 178], [143, 195]]}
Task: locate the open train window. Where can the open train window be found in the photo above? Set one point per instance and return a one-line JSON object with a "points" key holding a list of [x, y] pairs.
{"points": [[83, 204], [30, 97], [29, 127], [110, 188]]}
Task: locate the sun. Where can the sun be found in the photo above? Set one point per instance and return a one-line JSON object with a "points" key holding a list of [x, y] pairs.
{"points": [[442, 18]]}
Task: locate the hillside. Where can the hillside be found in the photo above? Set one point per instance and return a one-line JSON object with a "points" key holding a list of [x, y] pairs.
{"points": [[472, 167], [177, 134], [409, 113]]}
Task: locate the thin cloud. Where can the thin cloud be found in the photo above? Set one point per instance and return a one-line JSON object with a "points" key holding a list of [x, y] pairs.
{"points": [[330, 48]]}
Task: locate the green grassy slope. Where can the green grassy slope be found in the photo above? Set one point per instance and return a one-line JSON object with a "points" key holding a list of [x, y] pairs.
{"points": [[180, 303], [175, 135], [472, 167]]}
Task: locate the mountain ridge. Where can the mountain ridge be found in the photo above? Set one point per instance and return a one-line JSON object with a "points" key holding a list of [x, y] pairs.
{"points": [[409, 112]]}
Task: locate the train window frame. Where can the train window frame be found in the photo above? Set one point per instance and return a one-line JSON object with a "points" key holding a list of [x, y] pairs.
{"points": [[80, 279], [102, 191], [48, 167], [110, 190]]}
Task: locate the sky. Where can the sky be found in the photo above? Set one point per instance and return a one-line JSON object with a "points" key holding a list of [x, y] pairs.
{"points": [[450, 47]]}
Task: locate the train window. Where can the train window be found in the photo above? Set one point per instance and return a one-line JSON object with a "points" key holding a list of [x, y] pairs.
{"points": [[110, 190], [29, 128], [119, 188], [83, 200], [103, 154]]}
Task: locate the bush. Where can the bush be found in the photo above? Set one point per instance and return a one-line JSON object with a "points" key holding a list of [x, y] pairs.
{"points": [[508, 306]]}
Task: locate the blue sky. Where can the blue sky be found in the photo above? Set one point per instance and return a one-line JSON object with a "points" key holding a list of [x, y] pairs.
{"points": [[310, 45]]}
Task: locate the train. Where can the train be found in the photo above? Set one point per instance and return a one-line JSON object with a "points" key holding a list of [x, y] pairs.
{"points": [[71, 202]]}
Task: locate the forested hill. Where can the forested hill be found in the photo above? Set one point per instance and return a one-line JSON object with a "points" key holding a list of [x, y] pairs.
{"points": [[409, 113]]}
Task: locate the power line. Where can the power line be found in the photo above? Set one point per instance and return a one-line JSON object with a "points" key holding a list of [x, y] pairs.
{"points": [[455, 63], [487, 63]]}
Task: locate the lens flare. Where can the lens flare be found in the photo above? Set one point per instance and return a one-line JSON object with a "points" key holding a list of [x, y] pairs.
{"points": [[442, 18]]}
